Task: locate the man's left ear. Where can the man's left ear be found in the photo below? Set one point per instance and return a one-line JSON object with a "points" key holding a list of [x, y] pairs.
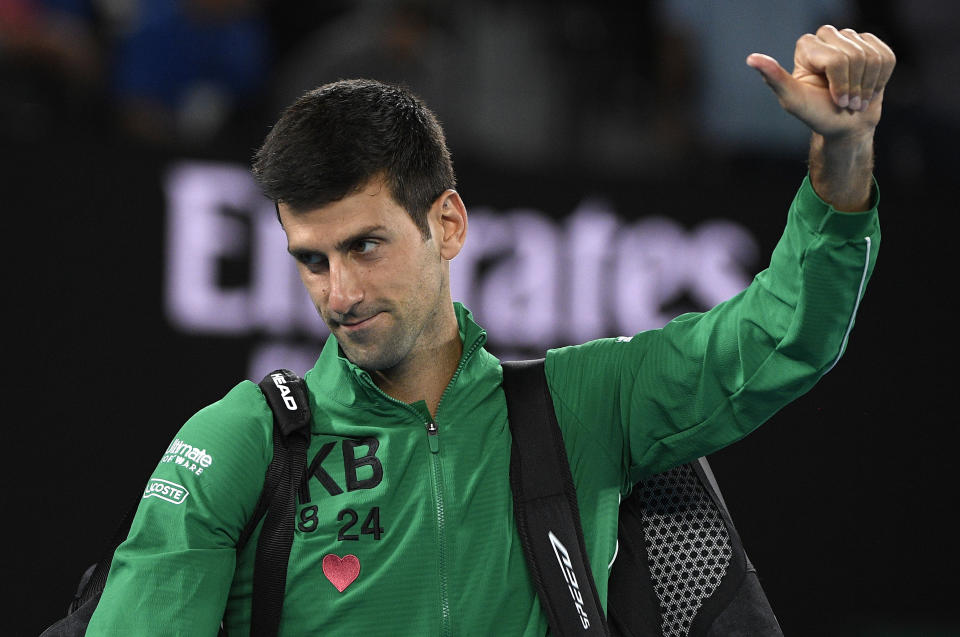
{"points": [[448, 218]]}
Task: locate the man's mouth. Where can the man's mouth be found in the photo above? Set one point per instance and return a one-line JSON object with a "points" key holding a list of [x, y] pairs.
{"points": [[357, 324]]}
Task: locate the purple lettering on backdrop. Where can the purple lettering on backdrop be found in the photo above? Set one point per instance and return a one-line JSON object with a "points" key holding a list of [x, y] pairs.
{"points": [[532, 281]]}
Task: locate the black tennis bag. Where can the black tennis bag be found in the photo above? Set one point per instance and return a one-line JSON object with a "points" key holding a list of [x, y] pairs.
{"points": [[680, 568]]}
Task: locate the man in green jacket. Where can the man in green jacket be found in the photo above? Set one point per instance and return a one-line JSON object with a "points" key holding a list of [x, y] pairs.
{"points": [[407, 525]]}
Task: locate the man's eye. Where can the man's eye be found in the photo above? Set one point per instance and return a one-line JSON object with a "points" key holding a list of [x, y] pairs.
{"points": [[313, 260], [365, 246]]}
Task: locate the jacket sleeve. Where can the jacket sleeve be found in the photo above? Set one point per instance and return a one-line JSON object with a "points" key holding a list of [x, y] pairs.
{"points": [[667, 396], [172, 574]]}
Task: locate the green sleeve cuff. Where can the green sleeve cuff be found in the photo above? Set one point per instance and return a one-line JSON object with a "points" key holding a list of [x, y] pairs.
{"points": [[824, 219]]}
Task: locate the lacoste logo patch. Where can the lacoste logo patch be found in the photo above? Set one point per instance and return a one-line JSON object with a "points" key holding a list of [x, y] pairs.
{"points": [[341, 571], [165, 490]]}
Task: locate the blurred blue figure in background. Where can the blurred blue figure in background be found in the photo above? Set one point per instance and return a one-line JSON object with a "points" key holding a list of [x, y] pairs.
{"points": [[171, 72], [183, 68]]}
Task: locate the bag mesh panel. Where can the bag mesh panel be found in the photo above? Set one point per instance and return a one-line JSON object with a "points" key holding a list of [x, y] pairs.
{"points": [[688, 547]]}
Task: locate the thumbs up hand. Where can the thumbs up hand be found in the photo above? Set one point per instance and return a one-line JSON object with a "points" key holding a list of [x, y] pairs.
{"points": [[837, 83]]}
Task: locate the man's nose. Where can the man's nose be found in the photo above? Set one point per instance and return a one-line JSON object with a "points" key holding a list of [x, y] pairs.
{"points": [[345, 290]]}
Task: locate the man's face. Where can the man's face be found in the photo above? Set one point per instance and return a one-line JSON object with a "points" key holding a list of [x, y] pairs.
{"points": [[375, 281]]}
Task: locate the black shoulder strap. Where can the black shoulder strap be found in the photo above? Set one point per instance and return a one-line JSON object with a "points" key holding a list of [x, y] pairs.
{"points": [[545, 505], [286, 394]]}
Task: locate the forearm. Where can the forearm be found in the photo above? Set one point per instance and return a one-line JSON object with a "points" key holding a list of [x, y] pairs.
{"points": [[841, 170]]}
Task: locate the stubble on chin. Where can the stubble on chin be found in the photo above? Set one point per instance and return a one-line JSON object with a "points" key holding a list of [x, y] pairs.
{"points": [[370, 352], [378, 357]]}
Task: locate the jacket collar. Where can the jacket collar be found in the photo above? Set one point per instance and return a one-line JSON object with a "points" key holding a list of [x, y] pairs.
{"points": [[335, 376]]}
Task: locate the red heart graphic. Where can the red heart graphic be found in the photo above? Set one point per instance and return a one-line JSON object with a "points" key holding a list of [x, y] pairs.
{"points": [[341, 571]]}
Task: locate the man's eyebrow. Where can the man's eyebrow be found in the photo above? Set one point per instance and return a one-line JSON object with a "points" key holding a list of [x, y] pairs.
{"points": [[342, 245]]}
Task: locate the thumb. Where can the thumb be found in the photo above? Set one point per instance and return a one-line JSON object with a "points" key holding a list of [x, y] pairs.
{"points": [[773, 74]]}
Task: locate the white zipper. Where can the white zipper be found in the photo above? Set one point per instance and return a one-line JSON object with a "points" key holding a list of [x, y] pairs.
{"points": [[856, 306]]}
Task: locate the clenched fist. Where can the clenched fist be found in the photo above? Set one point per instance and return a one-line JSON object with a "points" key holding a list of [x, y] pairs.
{"points": [[837, 83]]}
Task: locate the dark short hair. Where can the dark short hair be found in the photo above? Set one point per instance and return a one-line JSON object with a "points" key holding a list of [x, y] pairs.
{"points": [[334, 139]]}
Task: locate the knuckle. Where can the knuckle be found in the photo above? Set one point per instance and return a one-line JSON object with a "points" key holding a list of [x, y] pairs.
{"points": [[827, 29], [839, 78]]}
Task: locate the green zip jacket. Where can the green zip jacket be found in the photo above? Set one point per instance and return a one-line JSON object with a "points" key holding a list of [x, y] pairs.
{"points": [[408, 531]]}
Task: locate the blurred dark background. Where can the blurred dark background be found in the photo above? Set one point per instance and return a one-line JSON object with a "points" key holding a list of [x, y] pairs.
{"points": [[845, 500]]}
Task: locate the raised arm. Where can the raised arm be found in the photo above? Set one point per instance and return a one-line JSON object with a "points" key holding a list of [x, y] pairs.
{"points": [[707, 379], [836, 89]]}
